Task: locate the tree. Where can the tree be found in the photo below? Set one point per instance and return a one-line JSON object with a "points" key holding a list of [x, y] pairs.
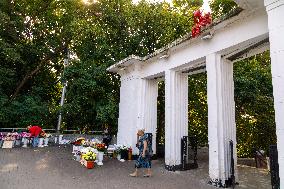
{"points": [[254, 104], [33, 35], [116, 30], [222, 8]]}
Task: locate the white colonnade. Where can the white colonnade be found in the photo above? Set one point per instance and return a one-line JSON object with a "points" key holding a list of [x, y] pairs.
{"points": [[275, 11], [243, 33]]}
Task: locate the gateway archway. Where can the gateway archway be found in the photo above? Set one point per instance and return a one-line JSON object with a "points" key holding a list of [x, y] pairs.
{"points": [[255, 29]]}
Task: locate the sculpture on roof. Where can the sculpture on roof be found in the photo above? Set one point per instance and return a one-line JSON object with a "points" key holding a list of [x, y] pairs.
{"points": [[200, 20]]}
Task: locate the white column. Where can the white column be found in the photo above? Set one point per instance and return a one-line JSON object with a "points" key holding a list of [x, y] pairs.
{"points": [[221, 118], [275, 11], [176, 121], [147, 117], [128, 110], [137, 109]]}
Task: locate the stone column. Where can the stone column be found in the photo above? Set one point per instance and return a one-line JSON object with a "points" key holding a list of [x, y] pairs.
{"points": [[221, 118], [275, 11], [137, 108], [147, 117], [129, 106], [176, 113]]}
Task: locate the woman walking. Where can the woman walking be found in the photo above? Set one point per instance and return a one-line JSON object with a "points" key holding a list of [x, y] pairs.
{"points": [[145, 151]]}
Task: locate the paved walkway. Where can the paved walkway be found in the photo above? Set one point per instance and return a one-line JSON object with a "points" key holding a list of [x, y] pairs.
{"points": [[54, 168]]}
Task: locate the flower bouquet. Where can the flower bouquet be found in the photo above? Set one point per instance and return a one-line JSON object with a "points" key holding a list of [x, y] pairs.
{"points": [[1, 137], [25, 137], [89, 156], [88, 159], [77, 144], [101, 147], [124, 152], [9, 140], [121, 152], [10, 137], [17, 136]]}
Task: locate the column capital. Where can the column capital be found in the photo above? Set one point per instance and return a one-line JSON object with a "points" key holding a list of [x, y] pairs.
{"points": [[273, 4]]}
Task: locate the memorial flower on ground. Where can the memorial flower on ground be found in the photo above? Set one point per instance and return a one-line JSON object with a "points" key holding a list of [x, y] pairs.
{"points": [[9, 137], [78, 141], [101, 147], [1, 136], [89, 156], [120, 148], [25, 135]]}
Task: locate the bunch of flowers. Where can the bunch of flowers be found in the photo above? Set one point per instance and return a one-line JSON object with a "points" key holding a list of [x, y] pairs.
{"points": [[120, 148], [15, 135], [89, 156], [101, 147], [1, 136], [10, 136], [93, 144], [78, 141], [25, 135], [200, 20]]}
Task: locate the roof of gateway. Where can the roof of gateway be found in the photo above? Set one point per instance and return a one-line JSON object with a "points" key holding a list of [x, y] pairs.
{"points": [[127, 61]]}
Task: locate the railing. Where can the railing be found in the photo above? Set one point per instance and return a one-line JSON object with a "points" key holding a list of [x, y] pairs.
{"points": [[260, 159], [233, 180], [188, 153], [274, 167], [193, 144], [70, 131]]}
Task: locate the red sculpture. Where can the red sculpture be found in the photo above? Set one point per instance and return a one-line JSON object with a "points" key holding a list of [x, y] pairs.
{"points": [[200, 21]]}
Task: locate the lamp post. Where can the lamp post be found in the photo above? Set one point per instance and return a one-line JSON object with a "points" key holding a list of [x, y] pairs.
{"points": [[66, 63]]}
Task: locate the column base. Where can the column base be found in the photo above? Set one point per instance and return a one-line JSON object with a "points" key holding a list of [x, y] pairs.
{"points": [[188, 166], [219, 183], [173, 167]]}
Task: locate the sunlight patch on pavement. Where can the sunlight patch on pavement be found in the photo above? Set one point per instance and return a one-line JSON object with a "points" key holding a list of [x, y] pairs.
{"points": [[41, 164], [9, 167]]}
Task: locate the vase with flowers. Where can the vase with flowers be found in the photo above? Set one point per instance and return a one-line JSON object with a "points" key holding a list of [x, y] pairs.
{"points": [[124, 152], [101, 147], [89, 159], [25, 138], [1, 139]]}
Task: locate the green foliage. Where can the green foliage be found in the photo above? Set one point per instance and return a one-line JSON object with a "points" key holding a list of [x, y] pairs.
{"points": [[197, 108], [222, 7], [91, 98], [161, 113], [33, 35], [115, 30], [254, 104], [253, 95]]}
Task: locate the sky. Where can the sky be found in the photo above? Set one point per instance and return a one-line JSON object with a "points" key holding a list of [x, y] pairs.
{"points": [[205, 6]]}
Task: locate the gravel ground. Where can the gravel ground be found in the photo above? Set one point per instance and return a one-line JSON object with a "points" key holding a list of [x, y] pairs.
{"points": [[54, 168]]}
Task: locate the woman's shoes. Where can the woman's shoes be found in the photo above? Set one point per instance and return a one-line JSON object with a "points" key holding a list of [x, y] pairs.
{"points": [[133, 175], [147, 175], [136, 175]]}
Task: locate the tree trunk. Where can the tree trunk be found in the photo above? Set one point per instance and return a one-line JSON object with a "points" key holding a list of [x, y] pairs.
{"points": [[35, 71], [24, 80]]}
